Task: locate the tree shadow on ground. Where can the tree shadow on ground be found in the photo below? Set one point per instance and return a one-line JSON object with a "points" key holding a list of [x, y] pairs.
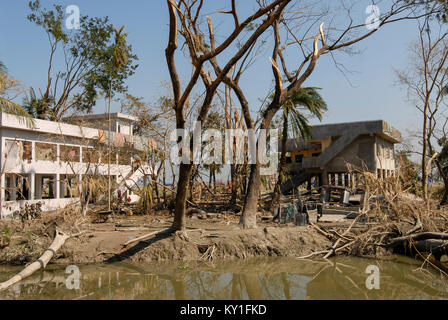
{"points": [[140, 246]]}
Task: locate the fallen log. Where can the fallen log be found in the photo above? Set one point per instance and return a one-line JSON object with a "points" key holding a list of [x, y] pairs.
{"points": [[42, 262], [418, 237], [434, 246], [147, 236]]}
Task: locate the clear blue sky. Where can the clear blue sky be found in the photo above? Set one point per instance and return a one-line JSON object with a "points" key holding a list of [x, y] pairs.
{"points": [[24, 49]]}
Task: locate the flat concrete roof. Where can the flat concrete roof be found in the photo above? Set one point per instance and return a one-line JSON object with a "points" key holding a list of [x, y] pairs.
{"points": [[324, 131], [103, 116], [379, 127]]}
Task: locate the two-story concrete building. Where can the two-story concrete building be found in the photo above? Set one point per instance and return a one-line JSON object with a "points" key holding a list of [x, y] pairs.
{"points": [[365, 145], [43, 162]]}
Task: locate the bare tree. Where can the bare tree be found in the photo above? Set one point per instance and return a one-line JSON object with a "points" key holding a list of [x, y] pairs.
{"points": [[298, 26], [426, 80], [184, 15]]}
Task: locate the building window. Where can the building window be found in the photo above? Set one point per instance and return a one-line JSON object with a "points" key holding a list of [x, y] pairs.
{"points": [[17, 187], [90, 155], [299, 158], [46, 152], [68, 186], [69, 153], [18, 150], [47, 184], [288, 160], [316, 154]]}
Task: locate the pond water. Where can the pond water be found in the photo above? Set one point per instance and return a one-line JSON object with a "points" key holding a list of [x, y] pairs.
{"points": [[269, 278]]}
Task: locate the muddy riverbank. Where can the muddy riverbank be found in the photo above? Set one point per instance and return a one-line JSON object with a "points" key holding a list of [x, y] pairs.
{"points": [[217, 238]]}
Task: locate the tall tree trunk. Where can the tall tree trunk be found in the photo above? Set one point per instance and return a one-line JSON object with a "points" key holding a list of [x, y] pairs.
{"points": [[191, 183], [210, 177], [156, 188], [282, 164], [164, 185], [442, 174], [424, 151], [248, 218], [181, 196], [445, 192], [234, 184]]}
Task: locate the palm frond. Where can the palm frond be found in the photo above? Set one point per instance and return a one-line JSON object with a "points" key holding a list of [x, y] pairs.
{"points": [[305, 99], [299, 124], [3, 68], [10, 107]]}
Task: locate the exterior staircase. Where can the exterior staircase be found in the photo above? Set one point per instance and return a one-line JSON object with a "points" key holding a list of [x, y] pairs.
{"points": [[296, 180], [132, 178], [329, 153]]}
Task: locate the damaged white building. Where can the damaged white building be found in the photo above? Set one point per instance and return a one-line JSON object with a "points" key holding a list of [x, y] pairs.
{"points": [[43, 162]]}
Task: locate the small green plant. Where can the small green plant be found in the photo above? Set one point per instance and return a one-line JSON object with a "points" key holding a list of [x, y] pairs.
{"points": [[6, 236], [184, 266]]}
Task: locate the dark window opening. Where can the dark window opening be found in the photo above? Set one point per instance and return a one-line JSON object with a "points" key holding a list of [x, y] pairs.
{"points": [[47, 187]]}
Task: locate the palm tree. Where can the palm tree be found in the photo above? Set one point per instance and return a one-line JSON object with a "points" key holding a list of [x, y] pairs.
{"points": [[120, 58], [306, 99], [7, 105]]}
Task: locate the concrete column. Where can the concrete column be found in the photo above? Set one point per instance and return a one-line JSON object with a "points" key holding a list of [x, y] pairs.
{"points": [[32, 184], [63, 180], [38, 187], [332, 179], [33, 151], [57, 188], [324, 180], [2, 194], [13, 188]]}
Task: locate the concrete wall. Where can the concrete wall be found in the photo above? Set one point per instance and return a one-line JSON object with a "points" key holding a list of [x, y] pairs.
{"points": [[360, 152]]}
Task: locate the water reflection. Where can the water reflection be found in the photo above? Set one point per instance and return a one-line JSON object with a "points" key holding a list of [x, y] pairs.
{"points": [[343, 278]]}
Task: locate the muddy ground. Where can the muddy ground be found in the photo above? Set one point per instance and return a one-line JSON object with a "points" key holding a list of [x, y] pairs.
{"points": [[216, 237]]}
